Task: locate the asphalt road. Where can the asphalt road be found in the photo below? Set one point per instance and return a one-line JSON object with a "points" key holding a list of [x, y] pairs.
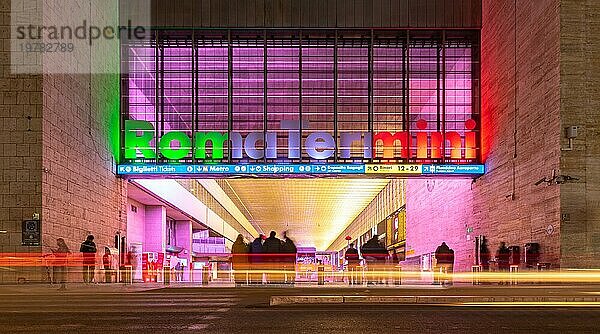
{"points": [[247, 311]]}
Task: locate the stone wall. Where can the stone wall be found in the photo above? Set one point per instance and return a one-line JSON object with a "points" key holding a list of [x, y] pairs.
{"points": [[80, 193], [20, 152], [57, 148], [580, 106], [521, 125], [521, 131]]}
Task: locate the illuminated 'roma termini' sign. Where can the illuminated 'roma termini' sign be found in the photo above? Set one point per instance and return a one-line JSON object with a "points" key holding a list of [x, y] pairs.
{"points": [[257, 101], [140, 142]]}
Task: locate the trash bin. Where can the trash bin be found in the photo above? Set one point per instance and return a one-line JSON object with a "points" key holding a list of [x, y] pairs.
{"points": [[205, 275], [321, 275], [167, 275]]}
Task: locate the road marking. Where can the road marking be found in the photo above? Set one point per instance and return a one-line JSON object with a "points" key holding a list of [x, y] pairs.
{"points": [[120, 311], [531, 304]]}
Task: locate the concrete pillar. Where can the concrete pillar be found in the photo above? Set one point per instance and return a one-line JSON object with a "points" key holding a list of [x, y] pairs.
{"points": [[183, 235], [156, 229]]}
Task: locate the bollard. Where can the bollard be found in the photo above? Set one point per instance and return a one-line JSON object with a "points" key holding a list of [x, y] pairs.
{"points": [[475, 273], [398, 276], [205, 275], [514, 272], [128, 274], [321, 275], [359, 275], [166, 275]]}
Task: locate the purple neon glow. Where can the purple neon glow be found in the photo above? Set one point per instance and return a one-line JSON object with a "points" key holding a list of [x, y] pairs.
{"points": [[283, 83]]}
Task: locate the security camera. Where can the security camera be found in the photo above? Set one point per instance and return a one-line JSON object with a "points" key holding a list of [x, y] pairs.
{"points": [[542, 181], [561, 179]]}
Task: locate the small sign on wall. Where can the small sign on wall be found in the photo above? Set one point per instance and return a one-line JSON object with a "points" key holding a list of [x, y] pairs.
{"points": [[31, 231]]}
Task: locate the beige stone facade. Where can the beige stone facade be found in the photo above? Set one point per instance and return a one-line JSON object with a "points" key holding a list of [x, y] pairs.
{"points": [[539, 73], [580, 106], [20, 148], [56, 155]]}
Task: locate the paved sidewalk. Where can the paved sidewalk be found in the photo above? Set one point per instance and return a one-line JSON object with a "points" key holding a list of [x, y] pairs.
{"points": [[77, 288]]}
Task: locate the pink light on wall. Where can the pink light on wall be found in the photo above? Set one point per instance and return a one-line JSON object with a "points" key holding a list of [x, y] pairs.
{"points": [[439, 211]]}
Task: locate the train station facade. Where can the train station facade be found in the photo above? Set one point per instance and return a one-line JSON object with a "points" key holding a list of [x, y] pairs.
{"points": [[482, 113]]}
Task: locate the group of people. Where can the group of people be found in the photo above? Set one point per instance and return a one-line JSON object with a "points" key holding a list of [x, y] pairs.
{"points": [[88, 249], [271, 257], [376, 259], [444, 256], [178, 270], [502, 258]]}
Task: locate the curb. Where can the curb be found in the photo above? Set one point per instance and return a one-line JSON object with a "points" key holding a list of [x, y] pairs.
{"points": [[429, 300], [290, 300]]}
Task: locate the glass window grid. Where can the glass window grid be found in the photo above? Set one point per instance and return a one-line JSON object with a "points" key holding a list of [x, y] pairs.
{"points": [[392, 102]]}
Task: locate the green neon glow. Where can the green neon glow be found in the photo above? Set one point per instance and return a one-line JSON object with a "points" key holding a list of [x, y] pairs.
{"points": [[175, 153], [135, 142], [218, 142], [105, 101], [105, 85], [114, 109]]}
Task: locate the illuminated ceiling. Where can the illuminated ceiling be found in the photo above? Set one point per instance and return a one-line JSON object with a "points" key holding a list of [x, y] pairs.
{"points": [[313, 211]]}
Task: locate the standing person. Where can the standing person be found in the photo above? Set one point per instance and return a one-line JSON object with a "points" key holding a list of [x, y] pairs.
{"points": [[182, 271], [178, 269], [484, 255], [256, 260], [289, 262], [444, 256], [107, 262], [503, 259], [60, 263], [272, 253], [239, 260], [353, 260], [88, 248], [375, 254]]}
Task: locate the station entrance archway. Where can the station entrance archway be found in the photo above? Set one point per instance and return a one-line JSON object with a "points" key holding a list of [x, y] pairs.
{"points": [[250, 117]]}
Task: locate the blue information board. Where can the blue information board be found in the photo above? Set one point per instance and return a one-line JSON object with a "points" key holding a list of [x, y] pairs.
{"points": [[454, 169], [282, 169]]}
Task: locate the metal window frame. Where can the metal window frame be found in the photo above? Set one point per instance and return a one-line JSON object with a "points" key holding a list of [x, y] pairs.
{"points": [[161, 35]]}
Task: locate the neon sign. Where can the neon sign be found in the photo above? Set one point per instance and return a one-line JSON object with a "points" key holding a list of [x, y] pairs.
{"points": [[207, 170], [178, 145]]}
